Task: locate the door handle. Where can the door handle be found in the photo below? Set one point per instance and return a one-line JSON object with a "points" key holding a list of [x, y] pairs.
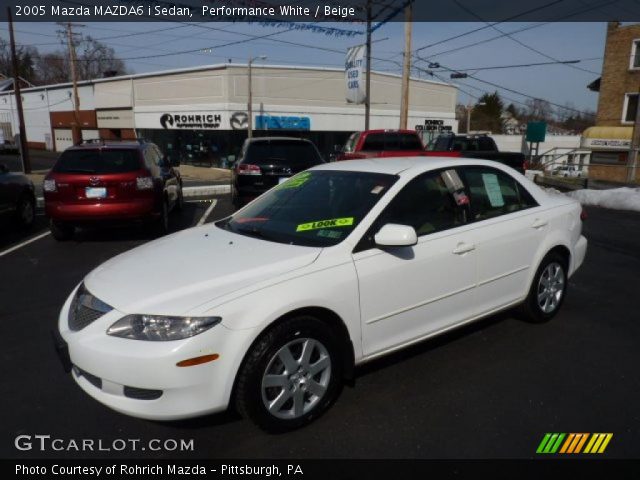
{"points": [[463, 248], [539, 223]]}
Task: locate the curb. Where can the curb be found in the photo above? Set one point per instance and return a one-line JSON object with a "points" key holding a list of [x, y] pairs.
{"points": [[188, 192]]}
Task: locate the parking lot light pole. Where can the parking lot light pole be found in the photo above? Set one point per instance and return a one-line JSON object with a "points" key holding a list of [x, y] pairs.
{"points": [[250, 99]]}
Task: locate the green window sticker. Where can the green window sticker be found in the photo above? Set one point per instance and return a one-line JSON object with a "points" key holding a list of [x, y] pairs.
{"points": [[332, 223], [295, 181], [492, 187]]}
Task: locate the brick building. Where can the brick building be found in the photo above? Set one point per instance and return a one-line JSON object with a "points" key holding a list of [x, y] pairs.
{"points": [[610, 139]]}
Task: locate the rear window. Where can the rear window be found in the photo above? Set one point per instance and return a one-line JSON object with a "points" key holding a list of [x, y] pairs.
{"points": [[391, 141], [282, 152], [98, 161]]}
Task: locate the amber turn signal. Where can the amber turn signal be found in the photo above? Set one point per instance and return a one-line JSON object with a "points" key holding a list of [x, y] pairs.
{"points": [[198, 360]]}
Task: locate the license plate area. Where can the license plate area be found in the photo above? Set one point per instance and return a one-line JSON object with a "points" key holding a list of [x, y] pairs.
{"points": [[95, 192]]}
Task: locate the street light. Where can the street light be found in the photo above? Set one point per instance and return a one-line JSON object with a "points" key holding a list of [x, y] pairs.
{"points": [[469, 110], [250, 101]]}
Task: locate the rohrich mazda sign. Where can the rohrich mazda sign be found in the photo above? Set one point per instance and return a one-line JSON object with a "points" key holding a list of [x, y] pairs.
{"points": [[191, 120]]}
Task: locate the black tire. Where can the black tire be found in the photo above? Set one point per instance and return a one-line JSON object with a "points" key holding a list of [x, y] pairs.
{"points": [[61, 231], [26, 211], [179, 206], [531, 309], [251, 398], [162, 223], [235, 199]]}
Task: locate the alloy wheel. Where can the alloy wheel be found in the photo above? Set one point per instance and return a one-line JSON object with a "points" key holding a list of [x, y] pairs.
{"points": [[296, 378], [551, 287]]}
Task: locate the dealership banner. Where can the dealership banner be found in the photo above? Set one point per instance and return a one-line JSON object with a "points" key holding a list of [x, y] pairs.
{"points": [[354, 74]]}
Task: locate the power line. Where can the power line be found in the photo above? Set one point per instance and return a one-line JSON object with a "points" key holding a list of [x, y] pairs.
{"points": [[521, 65], [509, 89], [513, 17], [471, 12]]}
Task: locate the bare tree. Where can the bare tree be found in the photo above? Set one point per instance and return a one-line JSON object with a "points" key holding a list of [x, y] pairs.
{"points": [[97, 60], [27, 57], [53, 68], [539, 110]]}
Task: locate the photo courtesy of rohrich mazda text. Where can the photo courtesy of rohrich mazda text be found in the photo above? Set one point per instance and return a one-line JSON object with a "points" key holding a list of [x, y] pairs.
{"points": [[270, 309]]}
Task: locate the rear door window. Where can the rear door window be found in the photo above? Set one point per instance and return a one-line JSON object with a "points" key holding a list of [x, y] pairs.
{"points": [[98, 161], [493, 193]]}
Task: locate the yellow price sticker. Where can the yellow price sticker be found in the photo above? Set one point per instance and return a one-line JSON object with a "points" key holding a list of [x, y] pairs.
{"points": [[332, 223]]}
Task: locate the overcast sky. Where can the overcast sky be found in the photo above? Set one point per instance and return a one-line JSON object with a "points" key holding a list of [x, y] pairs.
{"points": [[557, 83]]}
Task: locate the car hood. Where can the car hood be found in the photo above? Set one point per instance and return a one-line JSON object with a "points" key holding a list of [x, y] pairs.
{"points": [[178, 273]]}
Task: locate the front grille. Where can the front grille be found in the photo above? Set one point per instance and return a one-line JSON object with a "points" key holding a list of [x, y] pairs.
{"points": [[85, 309], [141, 393], [92, 379]]}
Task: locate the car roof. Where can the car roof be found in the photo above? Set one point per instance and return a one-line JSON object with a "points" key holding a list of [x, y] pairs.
{"points": [[127, 144], [270, 139], [410, 165], [388, 130]]}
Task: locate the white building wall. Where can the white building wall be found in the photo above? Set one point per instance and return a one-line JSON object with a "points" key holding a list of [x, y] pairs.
{"points": [[516, 143]]}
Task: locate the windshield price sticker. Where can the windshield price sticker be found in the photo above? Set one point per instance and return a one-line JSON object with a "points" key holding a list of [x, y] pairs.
{"points": [[335, 222], [295, 182]]}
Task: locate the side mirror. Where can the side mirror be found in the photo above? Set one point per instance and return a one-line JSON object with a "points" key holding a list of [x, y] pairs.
{"points": [[395, 235]]}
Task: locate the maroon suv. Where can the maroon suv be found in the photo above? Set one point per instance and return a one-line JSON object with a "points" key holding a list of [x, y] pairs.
{"points": [[111, 181]]}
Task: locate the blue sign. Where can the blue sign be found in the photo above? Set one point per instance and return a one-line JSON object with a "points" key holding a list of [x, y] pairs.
{"points": [[270, 122]]}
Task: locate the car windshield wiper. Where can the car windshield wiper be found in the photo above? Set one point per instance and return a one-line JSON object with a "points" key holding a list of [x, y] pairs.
{"points": [[252, 232]]}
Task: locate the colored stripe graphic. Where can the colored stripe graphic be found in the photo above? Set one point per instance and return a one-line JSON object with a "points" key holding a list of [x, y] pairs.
{"points": [[550, 443], [573, 443], [598, 442]]}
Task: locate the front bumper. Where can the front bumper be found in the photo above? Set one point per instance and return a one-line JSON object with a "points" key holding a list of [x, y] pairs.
{"points": [[110, 368]]}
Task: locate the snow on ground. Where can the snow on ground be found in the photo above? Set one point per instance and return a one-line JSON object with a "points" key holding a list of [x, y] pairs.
{"points": [[624, 198]]}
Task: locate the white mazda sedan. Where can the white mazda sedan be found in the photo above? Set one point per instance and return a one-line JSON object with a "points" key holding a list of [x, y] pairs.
{"points": [[270, 309]]}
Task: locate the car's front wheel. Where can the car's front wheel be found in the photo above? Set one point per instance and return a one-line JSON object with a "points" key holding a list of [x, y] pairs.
{"points": [[548, 289], [291, 375]]}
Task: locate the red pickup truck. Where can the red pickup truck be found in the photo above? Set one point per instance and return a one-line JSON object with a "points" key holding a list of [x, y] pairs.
{"points": [[382, 143]]}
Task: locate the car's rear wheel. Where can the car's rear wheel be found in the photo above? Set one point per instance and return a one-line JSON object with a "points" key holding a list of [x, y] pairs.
{"points": [[26, 211], [291, 375], [61, 231], [548, 289]]}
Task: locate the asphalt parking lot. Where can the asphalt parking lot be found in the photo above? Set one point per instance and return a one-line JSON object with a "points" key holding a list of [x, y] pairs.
{"points": [[491, 390]]}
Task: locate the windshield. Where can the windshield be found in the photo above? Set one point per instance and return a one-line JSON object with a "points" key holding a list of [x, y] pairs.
{"points": [[282, 151], [397, 141], [98, 161], [314, 208]]}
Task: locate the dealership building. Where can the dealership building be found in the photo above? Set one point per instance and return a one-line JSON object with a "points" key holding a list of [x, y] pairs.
{"points": [[200, 114]]}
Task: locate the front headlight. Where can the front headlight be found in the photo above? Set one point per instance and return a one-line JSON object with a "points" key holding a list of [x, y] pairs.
{"points": [[159, 328]]}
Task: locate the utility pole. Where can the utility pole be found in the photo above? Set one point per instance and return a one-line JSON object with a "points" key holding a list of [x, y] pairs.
{"points": [[367, 105], [76, 132], [24, 150], [250, 96], [632, 164], [406, 66], [250, 104]]}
